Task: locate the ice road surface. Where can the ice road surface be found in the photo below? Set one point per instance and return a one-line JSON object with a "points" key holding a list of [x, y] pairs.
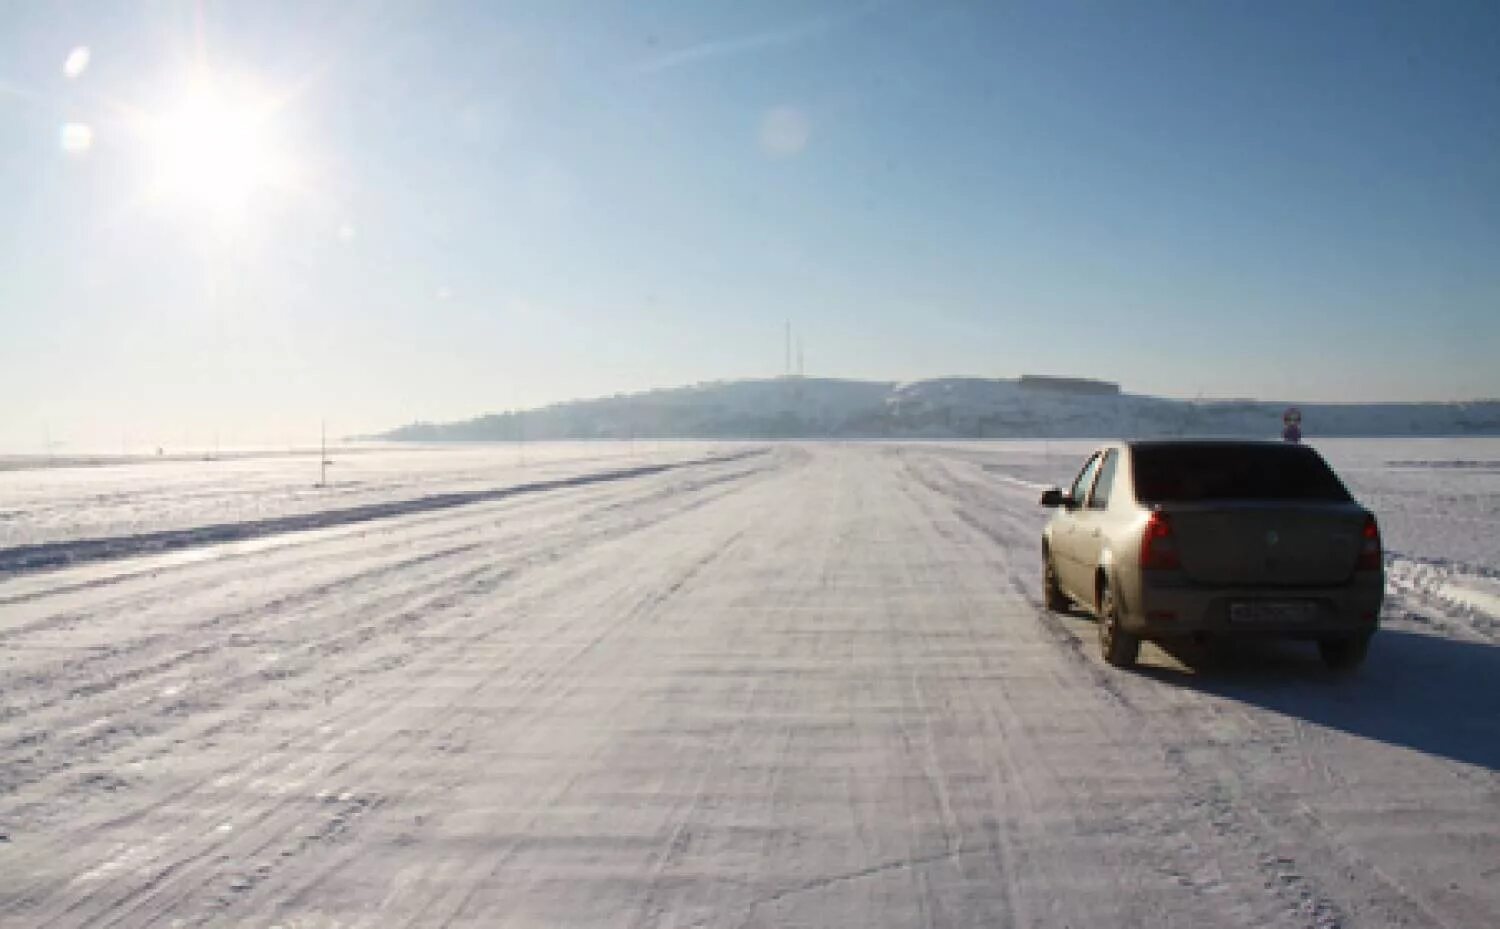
{"points": [[709, 685]]}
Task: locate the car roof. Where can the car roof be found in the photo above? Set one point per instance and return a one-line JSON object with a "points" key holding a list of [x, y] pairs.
{"points": [[1187, 443]]}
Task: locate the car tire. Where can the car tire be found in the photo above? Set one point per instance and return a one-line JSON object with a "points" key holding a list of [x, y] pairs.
{"points": [[1344, 653], [1052, 595], [1120, 648]]}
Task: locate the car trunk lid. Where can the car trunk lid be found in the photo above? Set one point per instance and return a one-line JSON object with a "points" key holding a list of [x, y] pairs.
{"points": [[1264, 544]]}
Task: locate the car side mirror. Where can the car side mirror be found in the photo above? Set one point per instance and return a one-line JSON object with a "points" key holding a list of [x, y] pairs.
{"points": [[1053, 497]]}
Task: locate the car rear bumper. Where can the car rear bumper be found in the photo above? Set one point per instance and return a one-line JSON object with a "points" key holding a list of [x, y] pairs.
{"points": [[1169, 607]]}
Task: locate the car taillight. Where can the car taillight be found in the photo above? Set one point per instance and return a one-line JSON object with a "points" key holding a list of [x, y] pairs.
{"points": [[1158, 546], [1369, 546]]}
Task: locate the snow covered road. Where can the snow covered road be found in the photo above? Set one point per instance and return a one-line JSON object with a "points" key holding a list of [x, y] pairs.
{"points": [[809, 687]]}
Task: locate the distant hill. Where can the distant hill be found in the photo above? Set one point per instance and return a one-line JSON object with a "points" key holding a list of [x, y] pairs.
{"points": [[956, 407]]}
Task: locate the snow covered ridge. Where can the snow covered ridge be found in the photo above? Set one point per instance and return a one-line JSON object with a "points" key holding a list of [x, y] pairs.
{"points": [[958, 407]]}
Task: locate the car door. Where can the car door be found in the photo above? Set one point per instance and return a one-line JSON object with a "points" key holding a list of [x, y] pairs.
{"points": [[1065, 529], [1090, 524]]}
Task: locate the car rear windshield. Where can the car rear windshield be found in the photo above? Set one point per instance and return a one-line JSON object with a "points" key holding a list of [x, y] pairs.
{"points": [[1185, 473]]}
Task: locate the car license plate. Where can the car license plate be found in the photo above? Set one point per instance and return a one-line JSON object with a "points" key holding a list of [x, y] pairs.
{"points": [[1272, 612]]}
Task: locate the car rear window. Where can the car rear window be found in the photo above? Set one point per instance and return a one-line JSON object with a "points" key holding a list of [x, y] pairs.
{"points": [[1184, 473]]}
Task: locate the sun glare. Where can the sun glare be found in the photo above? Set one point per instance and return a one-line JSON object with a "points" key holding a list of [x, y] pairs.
{"points": [[215, 150]]}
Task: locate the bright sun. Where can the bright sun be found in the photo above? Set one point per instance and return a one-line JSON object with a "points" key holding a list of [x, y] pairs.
{"points": [[215, 149]]}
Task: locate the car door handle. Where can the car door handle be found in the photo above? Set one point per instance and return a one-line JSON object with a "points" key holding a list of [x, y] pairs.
{"points": [[1094, 533]]}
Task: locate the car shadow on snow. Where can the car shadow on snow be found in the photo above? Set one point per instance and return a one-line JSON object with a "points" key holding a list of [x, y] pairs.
{"points": [[1421, 691]]}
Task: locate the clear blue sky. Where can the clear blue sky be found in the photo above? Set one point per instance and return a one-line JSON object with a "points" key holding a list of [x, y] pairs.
{"points": [[482, 205]]}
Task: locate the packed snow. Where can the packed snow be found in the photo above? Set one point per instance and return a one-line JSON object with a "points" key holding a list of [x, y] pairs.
{"points": [[710, 685]]}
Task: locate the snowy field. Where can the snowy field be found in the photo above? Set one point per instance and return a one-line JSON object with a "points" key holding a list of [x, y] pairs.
{"points": [[121, 498], [696, 684]]}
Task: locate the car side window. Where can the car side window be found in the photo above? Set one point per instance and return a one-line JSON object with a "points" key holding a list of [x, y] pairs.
{"points": [[1081, 483], [1099, 499]]}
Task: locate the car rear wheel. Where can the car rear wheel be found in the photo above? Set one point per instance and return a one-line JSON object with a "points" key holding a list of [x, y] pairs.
{"points": [[1052, 594], [1344, 653], [1120, 648]]}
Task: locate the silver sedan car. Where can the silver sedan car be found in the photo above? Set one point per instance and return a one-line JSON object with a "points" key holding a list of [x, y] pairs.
{"points": [[1196, 539]]}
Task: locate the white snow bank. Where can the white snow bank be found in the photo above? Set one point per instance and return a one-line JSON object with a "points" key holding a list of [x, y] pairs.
{"points": [[1468, 594]]}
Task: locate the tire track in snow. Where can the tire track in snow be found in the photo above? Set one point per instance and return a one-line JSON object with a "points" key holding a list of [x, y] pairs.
{"points": [[285, 610], [570, 543], [278, 820]]}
